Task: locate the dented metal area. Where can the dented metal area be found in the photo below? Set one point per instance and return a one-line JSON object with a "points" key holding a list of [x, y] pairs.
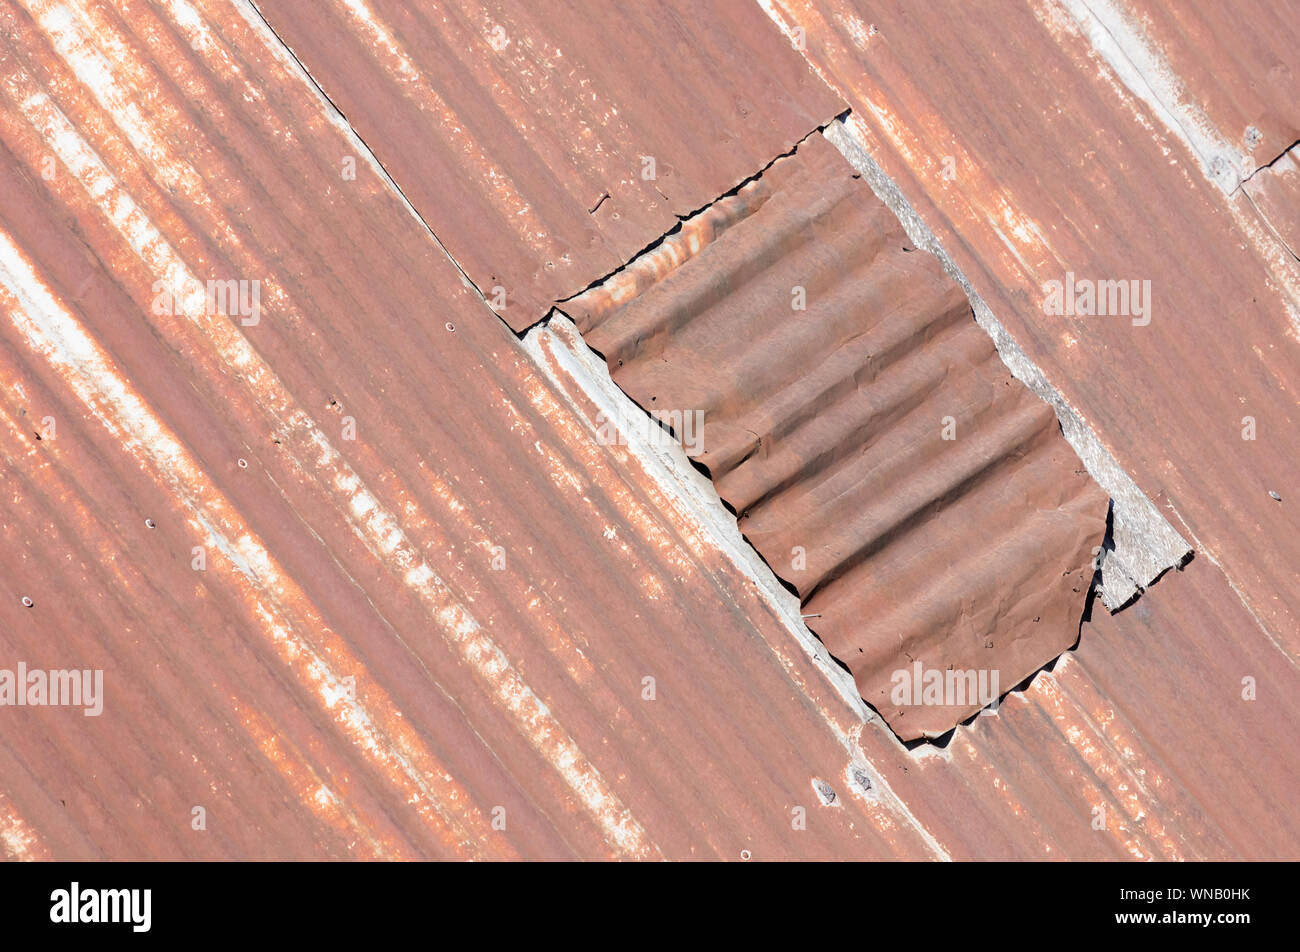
{"points": [[833, 382], [364, 575]]}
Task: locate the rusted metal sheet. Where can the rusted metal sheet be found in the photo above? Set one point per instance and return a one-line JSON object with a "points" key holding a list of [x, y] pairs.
{"points": [[361, 580], [547, 143], [391, 636], [833, 382], [1033, 161]]}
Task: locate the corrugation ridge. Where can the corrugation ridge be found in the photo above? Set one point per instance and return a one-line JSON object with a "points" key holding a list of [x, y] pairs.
{"points": [[875, 529]]}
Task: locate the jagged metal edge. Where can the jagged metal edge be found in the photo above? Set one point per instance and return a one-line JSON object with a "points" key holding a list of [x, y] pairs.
{"points": [[1145, 544]]}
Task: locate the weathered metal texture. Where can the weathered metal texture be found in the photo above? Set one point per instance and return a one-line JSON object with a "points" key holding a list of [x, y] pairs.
{"points": [[876, 451], [524, 132], [1275, 193], [1030, 159], [429, 640], [181, 142], [1146, 742]]}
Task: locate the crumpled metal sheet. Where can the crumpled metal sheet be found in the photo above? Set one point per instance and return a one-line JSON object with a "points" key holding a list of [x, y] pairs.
{"points": [[1029, 157], [874, 448], [521, 131]]}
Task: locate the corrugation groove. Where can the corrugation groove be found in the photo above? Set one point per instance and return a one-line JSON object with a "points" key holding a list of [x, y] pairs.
{"points": [[824, 429]]}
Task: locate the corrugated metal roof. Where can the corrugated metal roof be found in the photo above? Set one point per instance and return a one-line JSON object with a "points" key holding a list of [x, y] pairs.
{"points": [[547, 143], [350, 674], [876, 451]]}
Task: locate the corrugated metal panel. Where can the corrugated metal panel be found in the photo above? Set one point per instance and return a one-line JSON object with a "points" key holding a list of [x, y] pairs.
{"points": [[338, 647], [859, 422], [1030, 159], [521, 132]]}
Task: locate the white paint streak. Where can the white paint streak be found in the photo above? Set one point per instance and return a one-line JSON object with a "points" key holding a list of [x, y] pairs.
{"points": [[376, 528], [1144, 71]]}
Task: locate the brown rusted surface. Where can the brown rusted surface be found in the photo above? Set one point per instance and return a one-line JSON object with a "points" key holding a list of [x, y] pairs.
{"points": [[876, 451], [388, 637], [1030, 159], [522, 131]]}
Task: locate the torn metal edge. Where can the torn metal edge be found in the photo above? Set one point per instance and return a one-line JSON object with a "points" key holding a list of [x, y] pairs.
{"points": [[667, 464], [702, 505], [557, 349], [1145, 544]]}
